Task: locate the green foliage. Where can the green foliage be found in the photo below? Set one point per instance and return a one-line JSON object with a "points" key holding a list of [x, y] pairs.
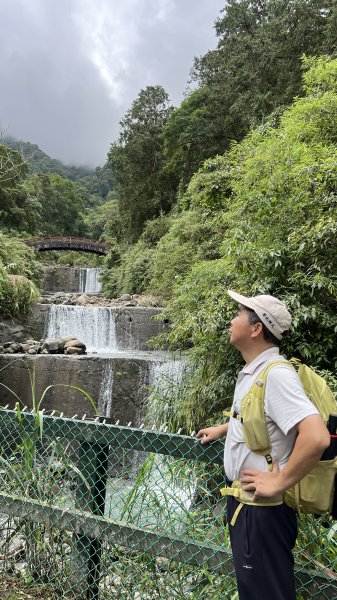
{"points": [[100, 183], [128, 269], [72, 258], [195, 131], [155, 229], [39, 162], [60, 204], [193, 236], [210, 188], [279, 221], [19, 259], [163, 254], [20, 273], [104, 221], [144, 189], [130, 275], [17, 294], [255, 69], [16, 208]]}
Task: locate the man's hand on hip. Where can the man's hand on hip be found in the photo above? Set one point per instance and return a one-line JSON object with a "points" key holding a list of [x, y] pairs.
{"points": [[264, 484]]}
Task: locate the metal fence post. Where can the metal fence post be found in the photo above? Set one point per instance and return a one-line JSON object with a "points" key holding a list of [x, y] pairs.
{"points": [[90, 497]]}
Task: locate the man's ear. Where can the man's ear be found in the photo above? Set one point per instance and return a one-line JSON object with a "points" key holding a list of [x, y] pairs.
{"points": [[257, 330]]}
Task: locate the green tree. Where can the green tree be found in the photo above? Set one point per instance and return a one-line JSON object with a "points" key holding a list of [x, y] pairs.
{"points": [[17, 210], [144, 188], [255, 70], [39, 162], [61, 204]]}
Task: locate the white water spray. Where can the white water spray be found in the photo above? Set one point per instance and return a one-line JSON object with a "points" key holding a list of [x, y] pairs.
{"points": [[105, 394], [89, 281], [94, 326]]}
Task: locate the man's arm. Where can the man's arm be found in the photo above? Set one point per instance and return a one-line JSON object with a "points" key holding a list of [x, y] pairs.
{"points": [[210, 434], [312, 439]]}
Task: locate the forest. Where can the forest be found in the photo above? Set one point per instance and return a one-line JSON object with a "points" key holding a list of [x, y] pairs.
{"points": [[235, 188]]}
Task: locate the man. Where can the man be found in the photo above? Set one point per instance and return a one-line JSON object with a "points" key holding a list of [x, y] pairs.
{"points": [[263, 537]]}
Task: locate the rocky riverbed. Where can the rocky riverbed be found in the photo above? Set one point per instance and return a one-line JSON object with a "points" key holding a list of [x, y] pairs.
{"points": [[98, 300], [64, 345]]}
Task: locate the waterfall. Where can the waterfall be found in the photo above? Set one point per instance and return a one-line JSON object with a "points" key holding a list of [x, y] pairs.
{"points": [[105, 394], [94, 326], [164, 376], [82, 277], [89, 281]]}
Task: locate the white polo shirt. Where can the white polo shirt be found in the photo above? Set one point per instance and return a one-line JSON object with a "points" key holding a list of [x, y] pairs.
{"points": [[286, 404]]}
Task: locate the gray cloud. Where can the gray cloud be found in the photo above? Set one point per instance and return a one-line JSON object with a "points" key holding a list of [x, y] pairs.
{"points": [[70, 69]]}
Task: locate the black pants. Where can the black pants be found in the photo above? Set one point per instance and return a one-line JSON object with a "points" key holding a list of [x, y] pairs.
{"points": [[262, 541]]}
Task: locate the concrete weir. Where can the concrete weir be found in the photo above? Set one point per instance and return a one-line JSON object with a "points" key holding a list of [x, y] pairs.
{"points": [[118, 384], [118, 372], [102, 329]]}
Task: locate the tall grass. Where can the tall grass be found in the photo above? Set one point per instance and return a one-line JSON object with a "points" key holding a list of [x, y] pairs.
{"points": [[35, 470]]}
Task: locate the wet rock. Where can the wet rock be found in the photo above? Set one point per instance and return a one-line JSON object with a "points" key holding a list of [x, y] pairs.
{"points": [[74, 343], [125, 297], [63, 340], [52, 346], [48, 346], [74, 346], [74, 350], [83, 300]]}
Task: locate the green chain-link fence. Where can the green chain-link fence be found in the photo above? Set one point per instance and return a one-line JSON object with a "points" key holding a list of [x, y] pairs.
{"points": [[102, 511]]}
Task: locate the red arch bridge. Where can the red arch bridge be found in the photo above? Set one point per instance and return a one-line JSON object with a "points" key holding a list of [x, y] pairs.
{"points": [[78, 244]]}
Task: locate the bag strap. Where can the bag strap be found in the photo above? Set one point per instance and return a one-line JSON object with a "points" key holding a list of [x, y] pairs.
{"points": [[257, 391]]}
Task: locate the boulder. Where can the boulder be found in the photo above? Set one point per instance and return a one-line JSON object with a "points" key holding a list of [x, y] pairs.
{"points": [[83, 300], [74, 343], [63, 340], [74, 350], [51, 346]]}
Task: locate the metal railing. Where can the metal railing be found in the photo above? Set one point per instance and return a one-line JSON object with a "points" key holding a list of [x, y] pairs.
{"points": [[69, 243], [96, 510]]}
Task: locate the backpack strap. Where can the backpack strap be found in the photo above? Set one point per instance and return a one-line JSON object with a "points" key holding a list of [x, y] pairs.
{"points": [[252, 415]]}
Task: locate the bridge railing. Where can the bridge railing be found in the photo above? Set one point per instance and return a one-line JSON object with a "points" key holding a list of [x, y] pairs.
{"points": [[69, 243], [105, 511]]}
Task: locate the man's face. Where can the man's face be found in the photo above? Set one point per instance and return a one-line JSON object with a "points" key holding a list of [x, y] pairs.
{"points": [[240, 329]]}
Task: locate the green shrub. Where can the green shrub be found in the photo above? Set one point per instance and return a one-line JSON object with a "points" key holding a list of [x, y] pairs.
{"points": [[17, 294], [192, 236], [210, 188], [19, 259], [20, 273], [129, 273]]}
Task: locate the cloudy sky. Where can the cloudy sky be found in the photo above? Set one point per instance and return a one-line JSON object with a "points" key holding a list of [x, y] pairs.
{"points": [[70, 69]]}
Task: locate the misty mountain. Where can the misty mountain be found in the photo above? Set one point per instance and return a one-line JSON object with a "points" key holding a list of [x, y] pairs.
{"points": [[40, 162]]}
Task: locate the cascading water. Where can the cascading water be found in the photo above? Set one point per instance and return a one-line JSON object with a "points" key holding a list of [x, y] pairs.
{"points": [[162, 496], [164, 375], [89, 281], [94, 326], [105, 395]]}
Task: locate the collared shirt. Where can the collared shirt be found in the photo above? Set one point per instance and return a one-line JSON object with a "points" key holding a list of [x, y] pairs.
{"points": [[285, 403]]}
